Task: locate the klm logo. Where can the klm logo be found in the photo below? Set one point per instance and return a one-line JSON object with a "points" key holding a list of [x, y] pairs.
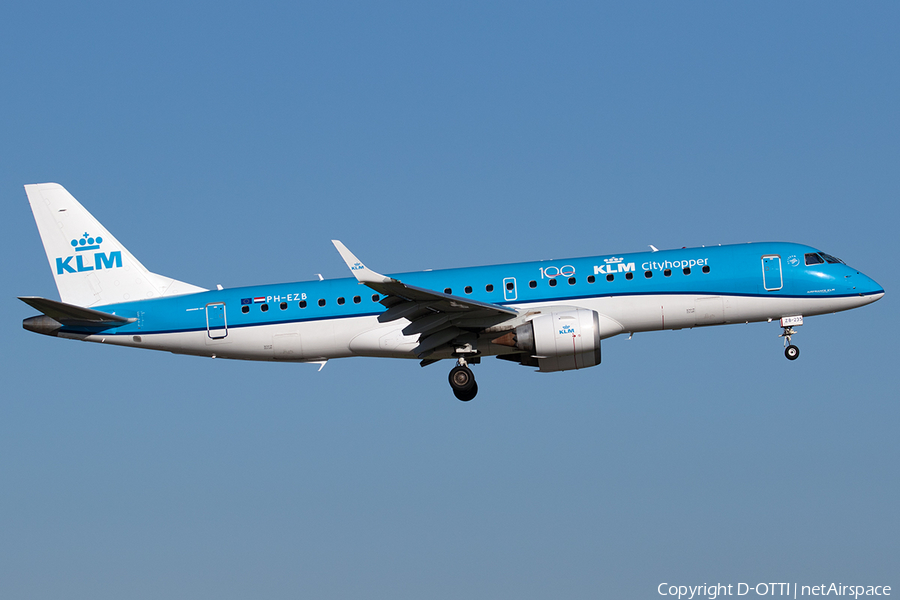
{"points": [[101, 260], [613, 265], [357, 266], [567, 330]]}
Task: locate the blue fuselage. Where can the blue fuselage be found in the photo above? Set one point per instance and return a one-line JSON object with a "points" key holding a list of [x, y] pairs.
{"points": [[749, 271]]}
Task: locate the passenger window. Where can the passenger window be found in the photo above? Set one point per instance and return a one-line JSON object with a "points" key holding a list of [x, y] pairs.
{"points": [[532, 284], [375, 297], [356, 299], [705, 268], [667, 272], [245, 309], [552, 283], [610, 277], [591, 279], [264, 307], [283, 306], [629, 276], [468, 289], [321, 301], [510, 286], [303, 304], [489, 287], [341, 301], [813, 259], [571, 281], [686, 270], [648, 274], [448, 290]]}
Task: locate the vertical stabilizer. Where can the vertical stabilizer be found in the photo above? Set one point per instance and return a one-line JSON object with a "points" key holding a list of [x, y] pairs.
{"points": [[89, 264]]}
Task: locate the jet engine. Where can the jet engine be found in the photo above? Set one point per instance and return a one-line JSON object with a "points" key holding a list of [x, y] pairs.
{"points": [[557, 341]]}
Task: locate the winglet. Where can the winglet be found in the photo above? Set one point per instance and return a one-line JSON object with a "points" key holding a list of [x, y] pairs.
{"points": [[362, 273]]}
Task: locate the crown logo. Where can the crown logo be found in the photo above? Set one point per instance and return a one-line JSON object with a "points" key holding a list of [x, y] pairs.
{"points": [[612, 261], [86, 242]]}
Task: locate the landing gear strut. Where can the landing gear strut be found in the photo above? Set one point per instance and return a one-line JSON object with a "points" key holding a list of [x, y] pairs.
{"points": [[462, 380], [791, 352]]}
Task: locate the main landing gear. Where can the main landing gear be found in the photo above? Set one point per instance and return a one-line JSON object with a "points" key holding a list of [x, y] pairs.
{"points": [[462, 380], [791, 352]]}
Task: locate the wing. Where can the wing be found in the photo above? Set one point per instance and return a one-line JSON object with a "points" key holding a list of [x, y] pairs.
{"points": [[440, 319]]}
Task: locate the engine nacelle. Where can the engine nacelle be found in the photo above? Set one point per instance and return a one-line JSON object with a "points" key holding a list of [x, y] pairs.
{"points": [[559, 341]]}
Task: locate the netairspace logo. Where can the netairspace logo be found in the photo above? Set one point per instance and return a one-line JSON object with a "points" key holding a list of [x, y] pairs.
{"points": [[793, 590], [102, 260]]}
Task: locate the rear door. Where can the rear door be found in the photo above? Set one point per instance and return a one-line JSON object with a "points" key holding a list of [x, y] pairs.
{"points": [[216, 327]]}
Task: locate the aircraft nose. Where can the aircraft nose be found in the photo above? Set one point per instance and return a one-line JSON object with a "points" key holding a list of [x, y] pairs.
{"points": [[865, 286]]}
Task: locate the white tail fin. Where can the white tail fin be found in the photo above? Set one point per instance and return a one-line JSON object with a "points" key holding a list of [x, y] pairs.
{"points": [[89, 265]]}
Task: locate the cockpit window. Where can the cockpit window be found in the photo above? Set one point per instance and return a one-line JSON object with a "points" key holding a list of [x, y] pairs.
{"points": [[814, 259], [831, 259]]}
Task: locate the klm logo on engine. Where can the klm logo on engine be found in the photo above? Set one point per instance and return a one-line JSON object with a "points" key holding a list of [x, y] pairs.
{"points": [[613, 265], [77, 262]]}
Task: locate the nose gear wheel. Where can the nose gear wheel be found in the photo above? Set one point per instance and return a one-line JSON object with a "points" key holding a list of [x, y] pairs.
{"points": [[791, 352]]}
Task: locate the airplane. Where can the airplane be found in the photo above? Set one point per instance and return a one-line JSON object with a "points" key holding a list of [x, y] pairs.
{"points": [[551, 315]]}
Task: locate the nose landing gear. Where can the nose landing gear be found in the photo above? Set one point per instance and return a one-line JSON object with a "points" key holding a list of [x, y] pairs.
{"points": [[791, 352], [462, 381]]}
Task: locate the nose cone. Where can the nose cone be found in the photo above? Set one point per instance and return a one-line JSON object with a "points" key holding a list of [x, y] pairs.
{"points": [[868, 289]]}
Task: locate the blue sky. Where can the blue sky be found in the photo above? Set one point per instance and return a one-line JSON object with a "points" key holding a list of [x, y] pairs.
{"points": [[225, 143]]}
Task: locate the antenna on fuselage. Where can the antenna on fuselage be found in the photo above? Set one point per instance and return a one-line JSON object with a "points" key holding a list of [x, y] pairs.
{"points": [[654, 248]]}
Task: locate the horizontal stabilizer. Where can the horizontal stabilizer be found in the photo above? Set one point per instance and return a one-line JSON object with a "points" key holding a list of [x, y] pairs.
{"points": [[74, 316]]}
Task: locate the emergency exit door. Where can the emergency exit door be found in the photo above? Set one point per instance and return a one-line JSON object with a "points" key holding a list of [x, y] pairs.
{"points": [[509, 289]]}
